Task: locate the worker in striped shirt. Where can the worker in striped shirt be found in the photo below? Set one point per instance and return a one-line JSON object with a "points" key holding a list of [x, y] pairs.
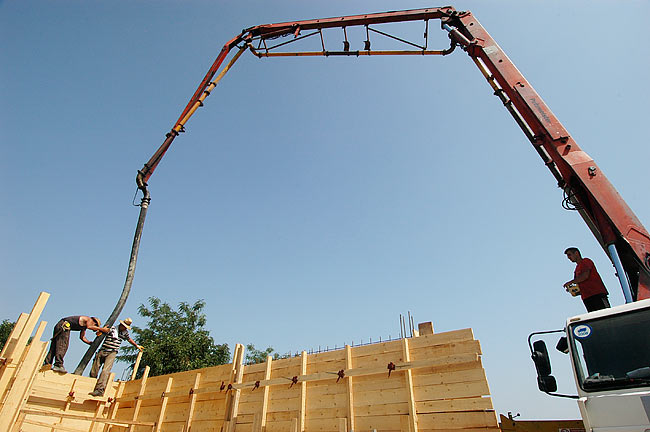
{"points": [[107, 353]]}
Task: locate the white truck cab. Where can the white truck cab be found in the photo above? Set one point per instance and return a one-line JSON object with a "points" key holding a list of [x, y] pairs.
{"points": [[610, 357]]}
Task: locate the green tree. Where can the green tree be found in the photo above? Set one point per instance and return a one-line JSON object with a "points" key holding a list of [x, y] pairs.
{"points": [[174, 340], [5, 330], [256, 356]]}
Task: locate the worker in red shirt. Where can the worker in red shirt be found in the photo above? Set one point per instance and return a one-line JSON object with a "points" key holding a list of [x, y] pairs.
{"points": [[592, 289]]}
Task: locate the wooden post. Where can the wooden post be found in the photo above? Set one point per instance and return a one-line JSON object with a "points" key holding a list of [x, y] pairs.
{"points": [[15, 347], [303, 392], [24, 377], [136, 365], [190, 410], [232, 399], [350, 393], [138, 401], [39, 355], [70, 397], [265, 397], [101, 404], [112, 413], [27, 330], [13, 336], [163, 406], [413, 419]]}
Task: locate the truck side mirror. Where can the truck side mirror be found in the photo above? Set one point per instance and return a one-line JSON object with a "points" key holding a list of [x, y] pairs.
{"points": [[545, 381], [547, 384]]}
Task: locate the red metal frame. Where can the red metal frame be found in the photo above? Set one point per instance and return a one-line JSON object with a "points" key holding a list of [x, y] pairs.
{"points": [[600, 205]]}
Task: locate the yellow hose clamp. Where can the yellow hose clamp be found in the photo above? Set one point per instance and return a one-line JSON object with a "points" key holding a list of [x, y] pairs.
{"points": [[66, 326]]}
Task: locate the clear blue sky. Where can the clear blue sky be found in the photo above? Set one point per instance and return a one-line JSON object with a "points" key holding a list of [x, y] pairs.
{"points": [[312, 200]]}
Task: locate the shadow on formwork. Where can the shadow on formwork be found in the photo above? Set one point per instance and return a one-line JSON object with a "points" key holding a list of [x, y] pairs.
{"points": [[428, 382]]}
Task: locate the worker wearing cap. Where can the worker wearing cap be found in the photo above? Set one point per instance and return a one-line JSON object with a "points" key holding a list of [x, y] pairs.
{"points": [[107, 353], [61, 337], [591, 286]]}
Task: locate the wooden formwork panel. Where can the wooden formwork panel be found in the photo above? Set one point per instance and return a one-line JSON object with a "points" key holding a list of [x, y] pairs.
{"points": [[433, 382], [438, 383]]}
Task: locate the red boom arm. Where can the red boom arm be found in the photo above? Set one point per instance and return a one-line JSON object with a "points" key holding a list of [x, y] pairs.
{"points": [[587, 189]]}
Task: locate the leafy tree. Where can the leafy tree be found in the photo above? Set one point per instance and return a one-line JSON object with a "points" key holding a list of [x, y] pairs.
{"points": [[256, 356], [174, 340], [5, 330]]}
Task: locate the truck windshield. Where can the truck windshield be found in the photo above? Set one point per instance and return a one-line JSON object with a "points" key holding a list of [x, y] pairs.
{"points": [[612, 352]]}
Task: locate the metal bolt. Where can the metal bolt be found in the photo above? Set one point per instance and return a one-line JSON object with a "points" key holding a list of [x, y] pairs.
{"points": [[592, 170]]}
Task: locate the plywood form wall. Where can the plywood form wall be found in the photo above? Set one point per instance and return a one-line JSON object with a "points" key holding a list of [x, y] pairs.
{"points": [[432, 382], [438, 383]]}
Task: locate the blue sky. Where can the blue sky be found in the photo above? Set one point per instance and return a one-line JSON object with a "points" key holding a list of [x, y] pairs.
{"points": [[312, 200]]}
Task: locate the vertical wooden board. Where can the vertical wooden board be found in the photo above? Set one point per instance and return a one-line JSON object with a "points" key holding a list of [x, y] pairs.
{"points": [[192, 402], [343, 424], [303, 393], [163, 405], [408, 377], [266, 391], [27, 330], [349, 384], [12, 356], [19, 325], [17, 395], [138, 403], [136, 365]]}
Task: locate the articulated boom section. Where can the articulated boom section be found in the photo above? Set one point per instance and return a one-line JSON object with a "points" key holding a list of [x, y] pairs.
{"points": [[586, 188]]}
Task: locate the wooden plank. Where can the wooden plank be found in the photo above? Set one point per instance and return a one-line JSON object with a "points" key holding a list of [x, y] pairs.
{"points": [[350, 388], [88, 418], [163, 405], [192, 404], [70, 396], [136, 365], [257, 423], [302, 411], [27, 330], [468, 358], [100, 405], [8, 367], [343, 424], [138, 402], [13, 336], [232, 399], [18, 394], [468, 404], [52, 427], [459, 420], [413, 417], [294, 425], [265, 397], [404, 423]]}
